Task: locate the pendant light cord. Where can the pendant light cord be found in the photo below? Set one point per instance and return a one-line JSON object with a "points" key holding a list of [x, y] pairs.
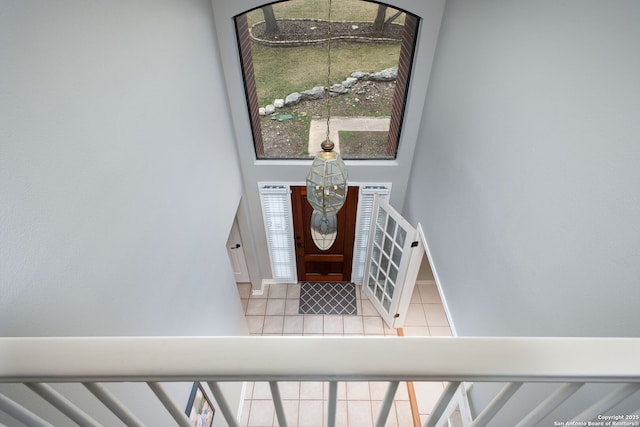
{"points": [[329, 73]]}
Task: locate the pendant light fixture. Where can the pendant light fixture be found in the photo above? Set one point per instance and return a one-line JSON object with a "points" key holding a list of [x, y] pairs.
{"points": [[327, 178]]}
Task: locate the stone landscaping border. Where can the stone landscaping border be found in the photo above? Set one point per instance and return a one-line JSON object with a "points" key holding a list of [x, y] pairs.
{"points": [[292, 43], [318, 92]]}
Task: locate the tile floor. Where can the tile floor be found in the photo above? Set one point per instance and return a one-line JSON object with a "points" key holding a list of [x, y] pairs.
{"points": [[276, 313]]}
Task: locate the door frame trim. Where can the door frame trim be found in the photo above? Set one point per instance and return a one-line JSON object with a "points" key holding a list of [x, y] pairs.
{"points": [[426, 251], [356, 183], [244, 266]]}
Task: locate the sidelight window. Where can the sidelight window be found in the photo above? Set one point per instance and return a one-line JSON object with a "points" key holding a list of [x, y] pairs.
{"points": [[365, 213], [278, 224]]}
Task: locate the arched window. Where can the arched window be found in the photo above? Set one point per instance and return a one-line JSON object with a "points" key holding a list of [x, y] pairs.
{"points": [[306, 60]]}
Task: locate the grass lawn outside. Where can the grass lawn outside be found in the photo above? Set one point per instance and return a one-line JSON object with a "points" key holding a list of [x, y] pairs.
{"points": [[362, 144], [290, 138], [280, 71], [344, 10]]}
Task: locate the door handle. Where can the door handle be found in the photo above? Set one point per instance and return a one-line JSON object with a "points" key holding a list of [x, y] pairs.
{"points": [[236, 246]]}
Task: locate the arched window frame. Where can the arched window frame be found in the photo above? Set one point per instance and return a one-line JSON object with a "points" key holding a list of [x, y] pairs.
{"points": [[405, 66]]}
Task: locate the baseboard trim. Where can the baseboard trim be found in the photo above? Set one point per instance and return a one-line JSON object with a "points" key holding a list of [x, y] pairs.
{"points": [[263, 285]]}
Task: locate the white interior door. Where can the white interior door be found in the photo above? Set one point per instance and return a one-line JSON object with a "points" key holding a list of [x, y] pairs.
{"points": [[391, 243], [236, 255]]}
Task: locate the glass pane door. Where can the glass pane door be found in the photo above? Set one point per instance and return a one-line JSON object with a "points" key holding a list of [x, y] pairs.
{"points": [[388, 258]]}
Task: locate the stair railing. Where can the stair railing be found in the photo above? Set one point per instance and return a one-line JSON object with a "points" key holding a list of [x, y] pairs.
{"points": [[39, 362]]}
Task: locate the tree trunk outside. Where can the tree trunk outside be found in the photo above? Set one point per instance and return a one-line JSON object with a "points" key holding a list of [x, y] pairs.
{"points": [[270, 20], [378, 24]]}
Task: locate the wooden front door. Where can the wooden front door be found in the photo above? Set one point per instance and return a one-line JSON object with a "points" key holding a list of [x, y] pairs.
{"points": [[313, 263]]}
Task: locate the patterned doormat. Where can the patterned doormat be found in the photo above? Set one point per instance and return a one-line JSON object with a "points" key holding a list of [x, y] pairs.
{"points": [[328, 298]]}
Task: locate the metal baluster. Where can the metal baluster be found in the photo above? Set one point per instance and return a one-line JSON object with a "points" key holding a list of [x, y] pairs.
{"points": [[110, 401], [549, 404], [277, 402], [222, 403], [177, 414], [608, 402], [333, 402], [63, 404], [443, 402], [496, 404], [386, 404], [21, 414]]}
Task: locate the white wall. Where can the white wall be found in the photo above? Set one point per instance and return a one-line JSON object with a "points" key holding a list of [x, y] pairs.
{"points": [[119, 177], [526, 177]]}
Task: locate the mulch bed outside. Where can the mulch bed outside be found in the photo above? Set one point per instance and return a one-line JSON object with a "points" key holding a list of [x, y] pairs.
{"points": [[299, 32]]}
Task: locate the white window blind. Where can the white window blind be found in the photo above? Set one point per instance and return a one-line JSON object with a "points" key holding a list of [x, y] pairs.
{"points": [[276, 211], [365, 212]]}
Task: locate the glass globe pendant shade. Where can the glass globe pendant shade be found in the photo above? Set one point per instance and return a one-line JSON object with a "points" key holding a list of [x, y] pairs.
{"points": [[327, 181]]}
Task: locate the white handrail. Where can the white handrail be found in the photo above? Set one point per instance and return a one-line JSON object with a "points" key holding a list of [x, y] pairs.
{"points": [[105, 359]]}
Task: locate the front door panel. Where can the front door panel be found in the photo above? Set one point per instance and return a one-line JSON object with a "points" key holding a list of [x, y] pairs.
{"points": [[323, 264]]}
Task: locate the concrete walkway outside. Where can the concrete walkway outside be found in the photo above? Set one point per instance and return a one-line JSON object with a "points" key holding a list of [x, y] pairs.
{"points": [[318, 129]]}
